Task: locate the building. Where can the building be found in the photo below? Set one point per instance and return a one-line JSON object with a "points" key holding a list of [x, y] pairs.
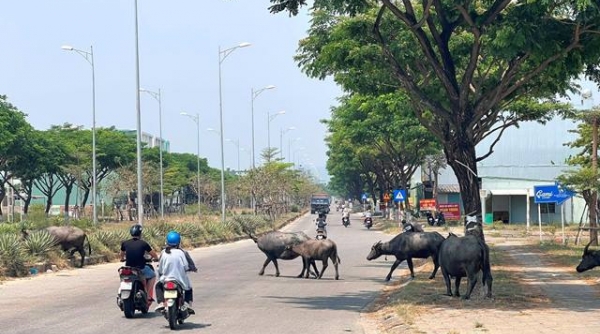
{"points": [[150, 140], [533, 154]]}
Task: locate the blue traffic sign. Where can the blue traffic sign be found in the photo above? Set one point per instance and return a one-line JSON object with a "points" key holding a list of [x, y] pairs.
{"points": [[551, 194], [399, 195], [364, 197]]}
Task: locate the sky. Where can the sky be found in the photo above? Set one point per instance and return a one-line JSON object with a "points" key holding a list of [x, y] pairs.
{"points": [[179, 44]]}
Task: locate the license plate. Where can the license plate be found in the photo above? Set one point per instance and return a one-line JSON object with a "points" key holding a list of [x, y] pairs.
{"points": [[170, 293], [125, 286]]}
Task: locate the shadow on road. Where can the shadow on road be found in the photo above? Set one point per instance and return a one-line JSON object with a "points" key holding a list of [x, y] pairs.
{"points": [[348, 302]]}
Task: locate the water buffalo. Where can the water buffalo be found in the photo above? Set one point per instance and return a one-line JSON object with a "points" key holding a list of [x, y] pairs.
{"points": [[68, 238], [589, 259], [274, 244], [406, 246], [312, 250], [464, 257]]}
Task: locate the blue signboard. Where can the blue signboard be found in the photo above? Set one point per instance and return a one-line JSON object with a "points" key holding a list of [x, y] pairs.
{"points": [[551, 194], [399, 195], [364, 197]]}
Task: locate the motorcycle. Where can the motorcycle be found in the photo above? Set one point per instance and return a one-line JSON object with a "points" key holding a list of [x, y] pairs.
{"points": [[176, 311], [321, 233], [368, 223], [439, 220], [345, 221], [131, 295]]}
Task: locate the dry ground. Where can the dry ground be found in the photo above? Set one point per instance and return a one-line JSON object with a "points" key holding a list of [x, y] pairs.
{"points": [[534, 292]]}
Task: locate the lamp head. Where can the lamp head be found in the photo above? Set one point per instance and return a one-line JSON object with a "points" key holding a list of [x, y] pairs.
{"points": [[244, 44], [270, 87], [67, 48]]}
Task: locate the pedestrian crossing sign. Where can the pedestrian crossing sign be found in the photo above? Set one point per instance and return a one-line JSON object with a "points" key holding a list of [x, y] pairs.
{"points": [[399, 195]]}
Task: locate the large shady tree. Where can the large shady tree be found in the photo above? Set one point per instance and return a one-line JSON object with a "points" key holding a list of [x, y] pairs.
{"points": [[470, 68]]}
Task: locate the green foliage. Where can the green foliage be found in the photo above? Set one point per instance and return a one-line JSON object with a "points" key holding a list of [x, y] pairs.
{"points": [[39, 244], [13, 258]]}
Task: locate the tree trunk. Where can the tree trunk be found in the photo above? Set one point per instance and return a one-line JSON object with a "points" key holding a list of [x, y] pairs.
{"points": [[461, 157], [590, 198], [68, 190]]}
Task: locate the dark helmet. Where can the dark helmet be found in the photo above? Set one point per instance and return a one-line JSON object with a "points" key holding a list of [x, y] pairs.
{"points": [[173, 239], [136, 230]]}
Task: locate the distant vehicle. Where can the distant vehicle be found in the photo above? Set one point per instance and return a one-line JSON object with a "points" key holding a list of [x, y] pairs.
{"points": [[319, 203]]}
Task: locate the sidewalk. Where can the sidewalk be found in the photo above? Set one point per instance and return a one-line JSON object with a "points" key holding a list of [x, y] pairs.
{"points": [[567, 304]]}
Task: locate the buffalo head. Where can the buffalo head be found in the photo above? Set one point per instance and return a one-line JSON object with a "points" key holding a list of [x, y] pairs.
{"points": [[589, 259], [375, 251]]}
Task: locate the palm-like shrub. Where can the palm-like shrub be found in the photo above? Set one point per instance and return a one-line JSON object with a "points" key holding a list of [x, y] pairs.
{"points": [[40, 244], [13, 257]]}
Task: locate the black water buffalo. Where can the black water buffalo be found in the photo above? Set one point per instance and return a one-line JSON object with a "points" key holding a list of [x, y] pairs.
{"points": [[68, 238], [589, 259], [274, 244], [312, 250], [464, 257], [406, 246]]}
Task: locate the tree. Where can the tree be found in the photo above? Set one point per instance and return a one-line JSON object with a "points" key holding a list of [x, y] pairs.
{"points": [[471, 69], [14, 132]]}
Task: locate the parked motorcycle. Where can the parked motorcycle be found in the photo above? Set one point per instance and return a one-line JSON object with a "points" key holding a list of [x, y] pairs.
{"points": [[345, 221], [368, 223], [438, 220], [131, 295], [176, 311]]}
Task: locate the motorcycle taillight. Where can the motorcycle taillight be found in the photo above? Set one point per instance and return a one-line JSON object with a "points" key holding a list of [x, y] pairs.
{"points": [[170, 286], [126, 271]]}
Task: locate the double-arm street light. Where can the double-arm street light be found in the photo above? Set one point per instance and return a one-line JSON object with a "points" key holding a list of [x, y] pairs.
{"points": [[222, 55], [269, 119], [89, 57], [255, 94], [283, 131], [196, 119], [140, 194], [157, 97]]}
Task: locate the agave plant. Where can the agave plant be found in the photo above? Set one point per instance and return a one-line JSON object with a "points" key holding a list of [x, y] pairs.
{"points": [[40, 243], [13, 257]]}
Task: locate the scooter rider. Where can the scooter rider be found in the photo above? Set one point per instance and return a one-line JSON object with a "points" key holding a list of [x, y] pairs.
{"points": [[321, 222], [346, 214], [133, 252], [174, 264]]}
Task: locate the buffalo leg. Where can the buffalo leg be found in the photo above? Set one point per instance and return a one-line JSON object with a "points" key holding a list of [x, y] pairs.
{"points": [[472, 279], [436, 266], [314, 265], [325, 265], [448, 283], [82, 253], [457, 286], [262, 271], [335, 265], [394, 266], [306, 265], [276, 267], [410, 267]]}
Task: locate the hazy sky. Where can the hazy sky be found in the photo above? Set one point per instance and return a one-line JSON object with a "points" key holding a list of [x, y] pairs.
{"points": [[178, 43]]}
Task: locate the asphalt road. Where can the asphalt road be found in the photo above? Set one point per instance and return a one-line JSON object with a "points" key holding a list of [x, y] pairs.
{"points": [[229, 295]]}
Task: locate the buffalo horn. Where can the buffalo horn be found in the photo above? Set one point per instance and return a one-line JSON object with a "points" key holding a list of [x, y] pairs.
{"points": [[585, 250]]}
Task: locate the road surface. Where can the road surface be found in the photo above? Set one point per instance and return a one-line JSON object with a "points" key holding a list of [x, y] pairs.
{"points": [[229, 295]]}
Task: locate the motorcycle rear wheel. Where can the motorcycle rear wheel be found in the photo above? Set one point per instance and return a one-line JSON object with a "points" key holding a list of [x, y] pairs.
{"points": [[129, 308], [173, 317]]}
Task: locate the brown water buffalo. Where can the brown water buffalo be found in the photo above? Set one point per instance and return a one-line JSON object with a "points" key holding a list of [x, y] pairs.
{"points": [[589, 259], [406, 246], [273, 245], [312, 250], [68, 238]]}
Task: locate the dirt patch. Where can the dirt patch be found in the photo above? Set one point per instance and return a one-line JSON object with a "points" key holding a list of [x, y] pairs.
{"points": [[531, 294]]}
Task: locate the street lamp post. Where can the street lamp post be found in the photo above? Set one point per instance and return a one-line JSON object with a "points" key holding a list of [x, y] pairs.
{"points": [[254, 95], [222, 55], [196, 119], [89, 57], [140, 206], [283, 131], [290, 142], [269, 119], [157, 97]]}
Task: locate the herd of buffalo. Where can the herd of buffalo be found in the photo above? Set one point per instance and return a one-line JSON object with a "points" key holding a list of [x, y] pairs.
{"points": [[457, 256]]}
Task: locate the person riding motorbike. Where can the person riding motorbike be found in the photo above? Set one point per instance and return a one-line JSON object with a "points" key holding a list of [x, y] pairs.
{"points": [[133, 252], [321, 222], [346, 214], [174, 263]]}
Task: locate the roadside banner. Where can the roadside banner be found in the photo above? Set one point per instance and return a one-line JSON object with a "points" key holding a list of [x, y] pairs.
{"points": [[451, 211], [427, 204]]}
